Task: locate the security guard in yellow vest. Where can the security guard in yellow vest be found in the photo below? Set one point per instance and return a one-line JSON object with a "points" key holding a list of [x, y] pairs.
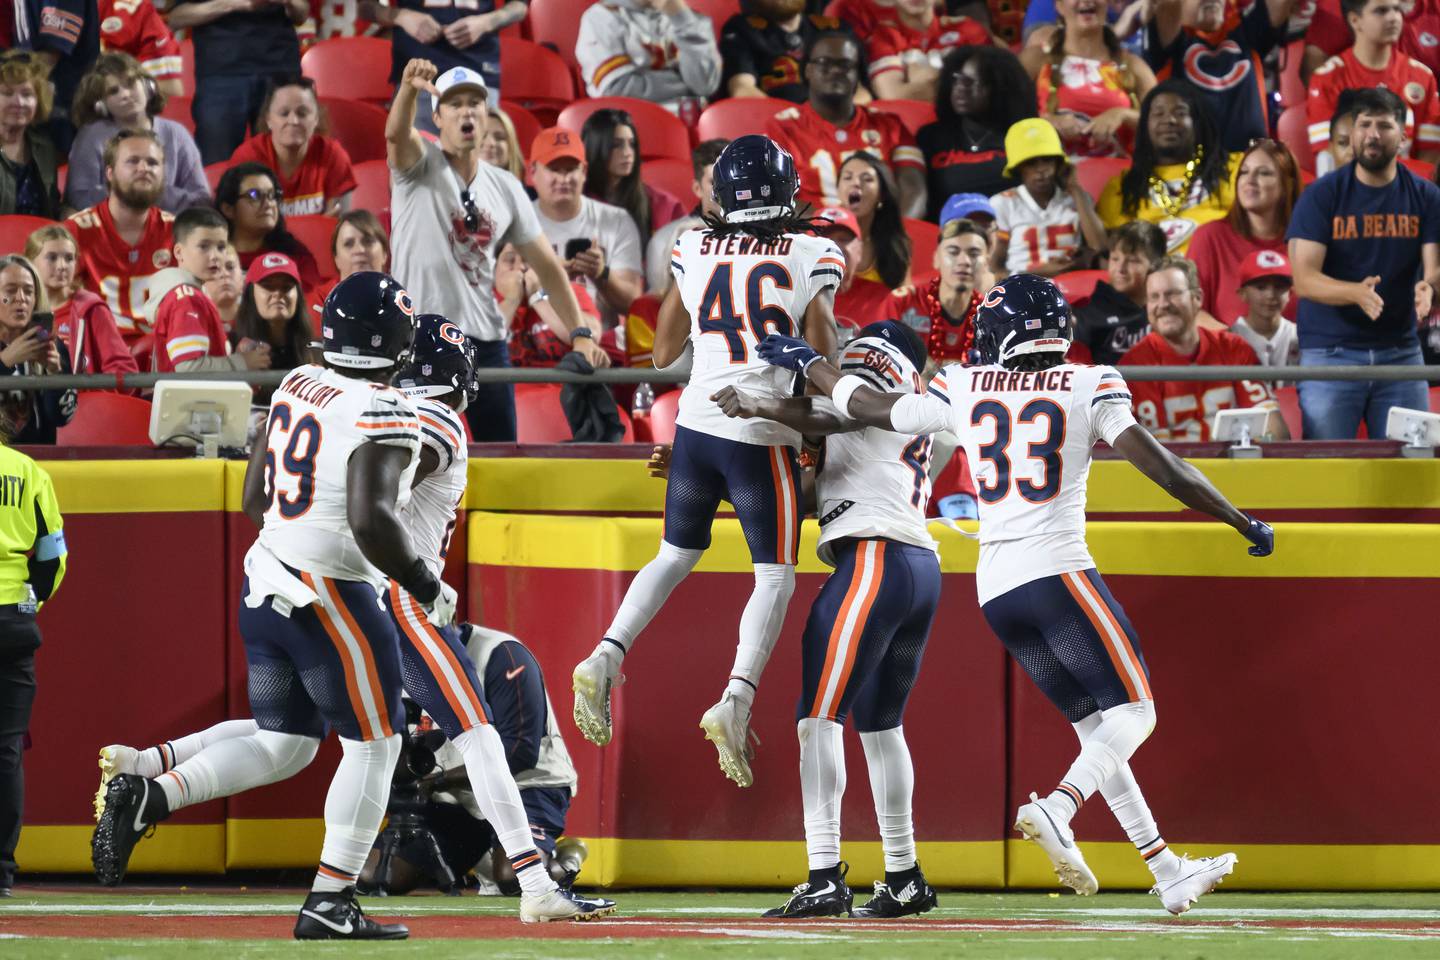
{"points": [[32, 563]]}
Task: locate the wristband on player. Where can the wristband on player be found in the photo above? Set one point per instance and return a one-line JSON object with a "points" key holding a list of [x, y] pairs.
{"points": [[420, 583], [843, 390]]}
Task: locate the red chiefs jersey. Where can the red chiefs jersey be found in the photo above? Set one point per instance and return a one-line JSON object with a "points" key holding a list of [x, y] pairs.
{"points": [[333, 18], [1420, 38], [1086, 89], [862, 16], [1409, 78], [325, 174], [187, 327], [1183, 410], [135, 27], [893, 46], [118, 272], [819, 147]]}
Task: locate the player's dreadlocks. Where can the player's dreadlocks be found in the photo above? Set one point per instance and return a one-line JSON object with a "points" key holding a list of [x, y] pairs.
{"points": [[799, 221]]}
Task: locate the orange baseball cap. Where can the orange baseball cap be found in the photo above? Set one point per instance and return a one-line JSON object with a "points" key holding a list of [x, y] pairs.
{"points": [[555, 143]]}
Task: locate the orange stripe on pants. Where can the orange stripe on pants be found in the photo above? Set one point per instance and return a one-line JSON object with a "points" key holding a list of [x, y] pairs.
{"points": [[870, 559], [1111, 634], [352, 681], [426, 640], [382, 706]]}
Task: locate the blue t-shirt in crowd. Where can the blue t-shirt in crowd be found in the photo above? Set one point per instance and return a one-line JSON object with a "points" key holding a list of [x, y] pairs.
{"points": [[482, 56], [1367, 232]]}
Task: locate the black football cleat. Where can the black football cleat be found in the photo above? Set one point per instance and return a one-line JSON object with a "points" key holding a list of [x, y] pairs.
{"points": [[133, 806], [914, 898], [828, 898], [337, 916]]}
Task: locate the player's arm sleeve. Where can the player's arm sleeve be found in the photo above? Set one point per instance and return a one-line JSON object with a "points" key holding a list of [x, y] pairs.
{"points": [[698, 57], [61, 22], [48, 556], [829, 269], [929, 412], [390, 419], [1110, 413], [438, 435], [515, 690]]}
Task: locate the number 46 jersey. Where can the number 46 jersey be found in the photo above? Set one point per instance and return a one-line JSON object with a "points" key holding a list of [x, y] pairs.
{"points": [[318, 418], [738, 289], [1027, 437]]}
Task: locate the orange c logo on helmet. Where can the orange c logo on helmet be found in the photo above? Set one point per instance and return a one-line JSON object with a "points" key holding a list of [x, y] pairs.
{"points": [[451, 334], [993, 298], [406, 305]]}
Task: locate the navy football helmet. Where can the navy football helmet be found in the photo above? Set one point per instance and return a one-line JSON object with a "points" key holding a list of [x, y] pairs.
{"points": [[443, 360], [754, 179], [886, 354], [1022, 314], [368, 322]]}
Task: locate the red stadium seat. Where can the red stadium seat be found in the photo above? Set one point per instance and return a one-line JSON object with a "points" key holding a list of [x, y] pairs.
{"points": [[661, 133], [662, 417], [1289, 400], [214, 172], [539, 417], [373, 192], [541, 81], [728, 119], [107, 420], [178, 109], [1435, 399], [924, 238], [357, 68], [717, 10], [1292, 88], [1294, 131], [628, 424], [360, 127], [187, 65], [556, 23], [1094, 172], [675, 177], [525, 123], [1079, 285], [15, 229], [315, 230], [913, 113]]}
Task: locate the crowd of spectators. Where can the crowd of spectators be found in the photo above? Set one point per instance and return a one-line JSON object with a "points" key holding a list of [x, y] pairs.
{"points": [[1215, 242]]}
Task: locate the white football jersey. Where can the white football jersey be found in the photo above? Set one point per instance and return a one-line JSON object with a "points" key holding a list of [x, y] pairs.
{"points": [[429, 517], [318, 418], [737, 290], [1027, 437], [874, 482], [1035, 233]]}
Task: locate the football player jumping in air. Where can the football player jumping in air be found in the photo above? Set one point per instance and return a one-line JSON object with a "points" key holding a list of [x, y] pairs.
{"points": [[867, 628], [1028, 421], [751, 273]]}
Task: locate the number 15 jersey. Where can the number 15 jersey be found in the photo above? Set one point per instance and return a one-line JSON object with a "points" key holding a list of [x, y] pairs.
{"points": [[1028, 438], [738, 289], [318, 418]]}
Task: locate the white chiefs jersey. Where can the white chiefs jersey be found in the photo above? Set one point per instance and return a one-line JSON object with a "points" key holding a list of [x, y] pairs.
{"points": [[737, 290], [1027, 437], [1035, 233], [429, 517], [874, 482], [318, 418]]}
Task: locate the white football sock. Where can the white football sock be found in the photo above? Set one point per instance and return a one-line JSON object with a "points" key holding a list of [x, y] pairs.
{"points": [[237, 764], [354, 810], [892, 783], [1113, 742], [1122, 794], [172, 753], [499, 799], [760, 627], [647, 594], [822, 785]]}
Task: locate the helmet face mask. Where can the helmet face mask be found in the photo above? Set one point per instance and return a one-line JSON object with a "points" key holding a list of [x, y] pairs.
{"points": [[754, 180], [1022, 315], [368, 323]]}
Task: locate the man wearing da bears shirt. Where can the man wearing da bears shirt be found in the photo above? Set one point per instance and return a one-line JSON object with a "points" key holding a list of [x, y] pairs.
{"points": [[1365, 251], [1185, 410], [822, 132]]}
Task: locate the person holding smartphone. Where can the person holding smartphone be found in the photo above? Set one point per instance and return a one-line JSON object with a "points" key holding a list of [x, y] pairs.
{"points": [[28, 346]]}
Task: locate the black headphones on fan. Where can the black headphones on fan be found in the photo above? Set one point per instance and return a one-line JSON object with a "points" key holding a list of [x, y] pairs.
{"points": [[153, 103]]}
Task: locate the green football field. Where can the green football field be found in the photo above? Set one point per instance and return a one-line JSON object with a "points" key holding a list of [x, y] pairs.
{"points": [[218, 923]]}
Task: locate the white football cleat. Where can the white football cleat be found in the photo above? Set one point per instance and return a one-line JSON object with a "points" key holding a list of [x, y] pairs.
{"points": [[727, 725], [562, 905], [592, 682], [1194, 879], [1037, 822], [114, 760]]}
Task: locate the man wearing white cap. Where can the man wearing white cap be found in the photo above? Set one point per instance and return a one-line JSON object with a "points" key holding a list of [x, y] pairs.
{"points": [[451, 214]]}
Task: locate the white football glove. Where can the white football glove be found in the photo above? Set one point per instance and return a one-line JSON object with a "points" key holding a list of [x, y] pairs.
{"points": [[441, 612]]}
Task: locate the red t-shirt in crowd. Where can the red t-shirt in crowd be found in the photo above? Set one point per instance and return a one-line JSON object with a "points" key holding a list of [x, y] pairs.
{"points": [[819, 147], [88, 329], [1217, 251], [324, 175], [118, 272], [893, 45], [136, 27], [1183, 410], [1407, 77], [187, 327]]}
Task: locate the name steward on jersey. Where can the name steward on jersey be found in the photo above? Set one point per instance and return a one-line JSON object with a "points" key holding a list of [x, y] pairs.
{"points": [[311, 391], [1031, 380], [743, 245]]}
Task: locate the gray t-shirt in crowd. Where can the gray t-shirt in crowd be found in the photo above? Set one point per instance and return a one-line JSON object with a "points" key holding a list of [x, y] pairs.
{"points": [[447, 268], [612, 228]]}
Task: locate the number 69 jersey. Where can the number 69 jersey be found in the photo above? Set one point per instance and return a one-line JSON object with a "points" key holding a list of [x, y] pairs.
{"points": [[1027, 436], [738, 289], [318, 418]]}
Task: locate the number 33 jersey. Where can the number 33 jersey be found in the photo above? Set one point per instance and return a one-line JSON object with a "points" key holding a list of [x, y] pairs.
{"points": [[318, 418], [737, 290], [1028, 438]]}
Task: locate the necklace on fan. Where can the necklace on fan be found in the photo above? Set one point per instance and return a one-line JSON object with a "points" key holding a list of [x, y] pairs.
{"points": [[1169, 201]]}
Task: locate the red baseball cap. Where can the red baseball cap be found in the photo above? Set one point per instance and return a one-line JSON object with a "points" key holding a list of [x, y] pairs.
{"points": [[555, 143], [1264, 263], [839, 217], [269, 264]]}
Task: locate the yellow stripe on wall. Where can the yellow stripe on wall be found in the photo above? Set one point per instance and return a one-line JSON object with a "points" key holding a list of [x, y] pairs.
{"points": [[174, 848], [255, 844], [137, 486]]}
